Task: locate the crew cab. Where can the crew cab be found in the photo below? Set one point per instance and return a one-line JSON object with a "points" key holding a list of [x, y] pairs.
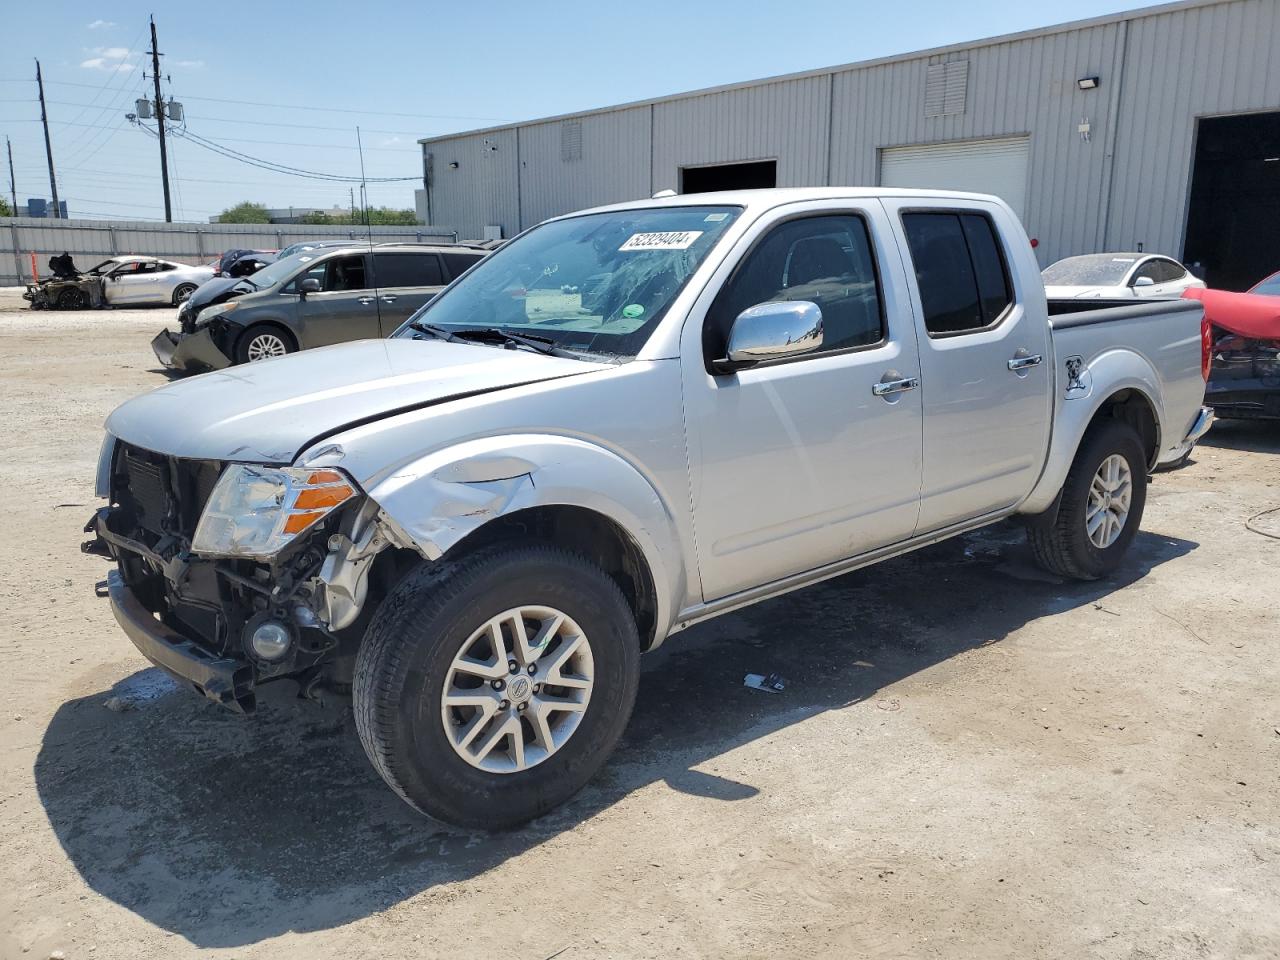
{"points": [[624, 422]]}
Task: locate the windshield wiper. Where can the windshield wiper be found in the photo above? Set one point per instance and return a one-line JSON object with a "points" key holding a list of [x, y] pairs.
{"points": [[534, 342], [440, 333]]}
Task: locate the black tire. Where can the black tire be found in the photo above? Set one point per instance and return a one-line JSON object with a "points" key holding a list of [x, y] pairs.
{"points": [[244, 345], [420, 627], [182, 293], [73, 298], [1061, 542]]}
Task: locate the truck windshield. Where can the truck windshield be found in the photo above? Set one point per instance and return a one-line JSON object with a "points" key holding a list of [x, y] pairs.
{"points": [[1091, 270], [598, 283]]}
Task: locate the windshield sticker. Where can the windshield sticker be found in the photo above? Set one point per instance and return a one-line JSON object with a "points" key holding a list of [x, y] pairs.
{"points": [[671, 240], [715, 217], [633, 310]]}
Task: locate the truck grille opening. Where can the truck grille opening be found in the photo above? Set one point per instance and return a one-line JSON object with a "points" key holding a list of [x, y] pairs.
{"points": [[162, 495]]}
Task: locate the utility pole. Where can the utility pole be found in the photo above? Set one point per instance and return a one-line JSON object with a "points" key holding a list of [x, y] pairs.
{"points": [[48, 147], [13, 184], [164, 156]]}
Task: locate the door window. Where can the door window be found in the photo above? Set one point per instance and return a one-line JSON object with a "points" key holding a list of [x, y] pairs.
{"points": [[459, 263], [344, 273], [960, 270], [826, 260], [1167, 271], [1149, 270], [407, 270]]}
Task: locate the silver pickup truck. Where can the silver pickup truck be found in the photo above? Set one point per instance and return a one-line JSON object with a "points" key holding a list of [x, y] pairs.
{"points": [[626, 421]]}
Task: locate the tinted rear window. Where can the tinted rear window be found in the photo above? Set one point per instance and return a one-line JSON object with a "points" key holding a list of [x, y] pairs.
{"points": [[407, 270], [959, 269], [458, 263]]}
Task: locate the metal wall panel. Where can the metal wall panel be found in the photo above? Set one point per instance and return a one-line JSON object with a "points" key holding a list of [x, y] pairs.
{"points": [[482, 190], [1204, 61], [612, 163], [91, 241], [787, 121]]}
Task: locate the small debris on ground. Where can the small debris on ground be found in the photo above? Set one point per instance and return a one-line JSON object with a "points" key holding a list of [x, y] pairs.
{"points": [[117, 704], [770, 684]]}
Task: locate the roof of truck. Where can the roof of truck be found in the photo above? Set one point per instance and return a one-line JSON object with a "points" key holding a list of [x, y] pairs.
{"points": [[777, 196]]}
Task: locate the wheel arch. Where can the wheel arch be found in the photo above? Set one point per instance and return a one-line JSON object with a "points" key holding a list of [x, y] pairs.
{"points": [[548, 489]]}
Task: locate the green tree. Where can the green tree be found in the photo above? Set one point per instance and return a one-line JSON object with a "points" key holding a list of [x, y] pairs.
{"points": [[4, 208], [245, 213], [378, 216]]}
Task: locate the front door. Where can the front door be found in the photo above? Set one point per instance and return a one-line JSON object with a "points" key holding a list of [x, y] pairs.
{"points": [[985, 361], [406, 280], [135, 282], [806, 461], [346, 308]]}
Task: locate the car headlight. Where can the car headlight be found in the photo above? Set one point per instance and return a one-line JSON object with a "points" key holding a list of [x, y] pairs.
{"points": [[217, 310], [255, 511]]}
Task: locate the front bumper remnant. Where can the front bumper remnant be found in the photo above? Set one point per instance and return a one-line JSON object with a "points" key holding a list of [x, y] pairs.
{"points": [[189, 351], [223, 680]]}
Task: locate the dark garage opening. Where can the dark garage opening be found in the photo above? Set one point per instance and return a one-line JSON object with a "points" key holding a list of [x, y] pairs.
{"points": [[1233, 223], [729, 176]]}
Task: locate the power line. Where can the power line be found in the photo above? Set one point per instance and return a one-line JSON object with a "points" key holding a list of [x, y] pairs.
{"points": [[233, 154]]}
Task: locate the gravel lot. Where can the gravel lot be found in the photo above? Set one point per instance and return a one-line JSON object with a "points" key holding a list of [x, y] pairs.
{"points": [[971, 759]]}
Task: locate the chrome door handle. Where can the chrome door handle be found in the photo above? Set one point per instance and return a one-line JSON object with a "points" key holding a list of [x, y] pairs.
{"points": [[365, 300], [1022, 363], [895, 386], [390, 299]]}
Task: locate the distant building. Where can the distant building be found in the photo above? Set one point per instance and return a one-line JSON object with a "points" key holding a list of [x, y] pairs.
{"points": [[1156, 129], [36, 207], [296, 214]]}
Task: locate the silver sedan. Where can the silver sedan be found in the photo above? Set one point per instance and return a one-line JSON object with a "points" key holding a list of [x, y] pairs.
{"points": [[142, 280]]}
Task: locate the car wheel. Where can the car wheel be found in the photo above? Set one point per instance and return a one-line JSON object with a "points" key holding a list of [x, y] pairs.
{"points": [[1101, 506], [73, 299], [183, 293], [491, 689], [262, 343]]}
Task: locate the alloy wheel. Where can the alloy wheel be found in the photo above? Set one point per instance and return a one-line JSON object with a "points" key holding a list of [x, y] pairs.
{"points": [[264, 346], [1110, 494]]}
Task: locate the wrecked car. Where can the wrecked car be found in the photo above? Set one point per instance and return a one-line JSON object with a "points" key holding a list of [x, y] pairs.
{"points": [[622, 423], [311, 299]]}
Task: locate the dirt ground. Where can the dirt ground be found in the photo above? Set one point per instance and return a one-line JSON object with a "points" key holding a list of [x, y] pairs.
{"points": [[970, 759]]}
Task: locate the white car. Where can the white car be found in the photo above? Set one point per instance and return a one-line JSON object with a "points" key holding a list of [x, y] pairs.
{"points": [[150, 280], [1117, 276]]}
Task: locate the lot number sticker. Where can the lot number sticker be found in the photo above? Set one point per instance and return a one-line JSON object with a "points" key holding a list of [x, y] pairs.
{"points": [[672, 240]]}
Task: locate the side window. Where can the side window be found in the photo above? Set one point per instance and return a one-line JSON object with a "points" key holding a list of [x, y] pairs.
{"points": [[345, 273], [959, 268], [407, 270], [458, 263], [825, 259], [1169, 271], [164, 267], [150, 266], [1149, 270]]}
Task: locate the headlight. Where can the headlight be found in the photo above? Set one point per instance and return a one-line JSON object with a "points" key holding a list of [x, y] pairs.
{"points": [[217, 310], [256, 511]]}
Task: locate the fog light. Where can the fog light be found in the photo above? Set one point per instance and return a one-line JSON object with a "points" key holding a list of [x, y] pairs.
{"points": [[270, 640]]}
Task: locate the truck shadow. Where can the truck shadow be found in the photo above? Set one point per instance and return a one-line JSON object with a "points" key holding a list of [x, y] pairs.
{"points": [[229, 831], [1248, 436]]}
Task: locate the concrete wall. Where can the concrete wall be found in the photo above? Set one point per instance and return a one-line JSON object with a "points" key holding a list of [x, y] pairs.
{"points": [[1160, 69], [91, 241]]}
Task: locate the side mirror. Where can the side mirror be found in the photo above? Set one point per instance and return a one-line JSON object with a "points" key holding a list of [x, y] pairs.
{"points": [[309, 285], [1144, 282], [771, 331]]}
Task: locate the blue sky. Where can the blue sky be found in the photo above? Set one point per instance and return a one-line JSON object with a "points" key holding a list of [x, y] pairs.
{"points": [[315, 70]]}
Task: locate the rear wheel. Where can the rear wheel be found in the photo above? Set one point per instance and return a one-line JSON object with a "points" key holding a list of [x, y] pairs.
{"points": [[262, 343], [491, 689], [1101, 506], [73, 298], [182, 293]]}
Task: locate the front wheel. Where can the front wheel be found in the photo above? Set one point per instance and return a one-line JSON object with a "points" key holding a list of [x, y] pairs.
{"points": [[1100, 508], [490, 689], [73, 298], [262, 343]]}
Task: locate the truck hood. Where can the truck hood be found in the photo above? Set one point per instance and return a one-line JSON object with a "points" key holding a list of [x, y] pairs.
{"points": [[267, 412]]}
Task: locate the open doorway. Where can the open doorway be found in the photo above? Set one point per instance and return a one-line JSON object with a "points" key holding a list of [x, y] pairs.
{"points": [[1233, 220], [729, 176]]}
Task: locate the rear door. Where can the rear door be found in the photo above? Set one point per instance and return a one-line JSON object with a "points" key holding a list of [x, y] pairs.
{"points": [[985, 374], [346, 308], [406, 280]]}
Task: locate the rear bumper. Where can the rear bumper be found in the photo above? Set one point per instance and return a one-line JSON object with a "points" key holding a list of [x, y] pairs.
{"points": [[224, 680], [1200, 426], [1245, 400], [188, 351]]}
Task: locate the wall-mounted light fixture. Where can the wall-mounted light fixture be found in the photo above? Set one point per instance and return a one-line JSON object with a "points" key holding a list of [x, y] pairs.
{"points": [[1087, 83], [453, 164]]}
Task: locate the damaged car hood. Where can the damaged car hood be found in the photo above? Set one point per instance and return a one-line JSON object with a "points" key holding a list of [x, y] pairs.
{"points": [[266, 412]]}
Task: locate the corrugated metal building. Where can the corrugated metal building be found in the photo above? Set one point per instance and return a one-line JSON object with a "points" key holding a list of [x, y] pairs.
{"points": [[1094, 131]]}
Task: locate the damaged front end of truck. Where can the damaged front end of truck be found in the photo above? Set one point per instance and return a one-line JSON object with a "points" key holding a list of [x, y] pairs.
{"points": [[231, 575]]}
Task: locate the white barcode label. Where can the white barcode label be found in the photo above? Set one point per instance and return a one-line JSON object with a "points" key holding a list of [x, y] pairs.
{"points": [[672, 240]]}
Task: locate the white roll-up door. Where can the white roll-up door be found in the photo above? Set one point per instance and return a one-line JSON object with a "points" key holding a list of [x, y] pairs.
{"points": [[975, 166]]}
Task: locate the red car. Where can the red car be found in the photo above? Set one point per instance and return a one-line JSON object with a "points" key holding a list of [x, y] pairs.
{"points": [[1244, 379]]}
